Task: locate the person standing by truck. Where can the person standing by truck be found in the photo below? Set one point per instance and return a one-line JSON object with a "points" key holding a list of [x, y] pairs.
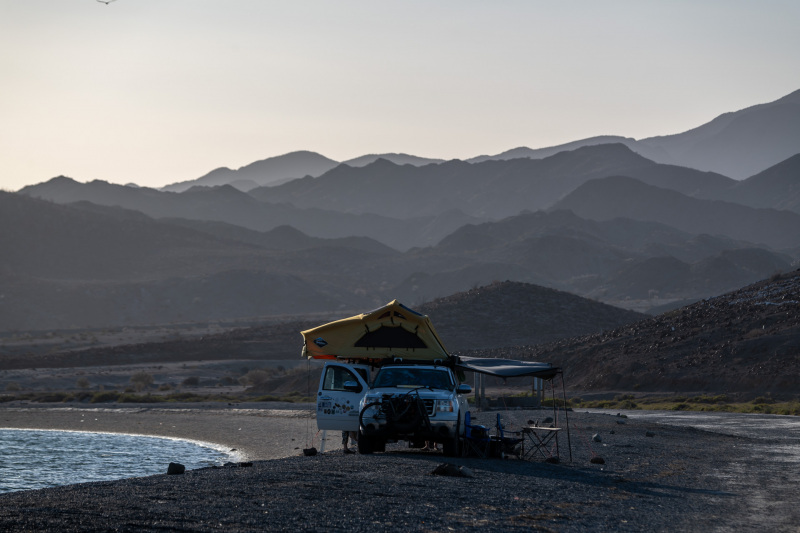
{"points": [[347, 438]]}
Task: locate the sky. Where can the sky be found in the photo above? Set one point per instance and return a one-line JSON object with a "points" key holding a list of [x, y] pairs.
{"points": [[155, 92]]}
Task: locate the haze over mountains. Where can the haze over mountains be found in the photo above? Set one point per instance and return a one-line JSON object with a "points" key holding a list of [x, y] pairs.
{"points": [[626, 222], [737, 144]]}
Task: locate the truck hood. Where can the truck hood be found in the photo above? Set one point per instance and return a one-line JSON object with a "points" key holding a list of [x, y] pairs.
{"points": [[423, 393]]}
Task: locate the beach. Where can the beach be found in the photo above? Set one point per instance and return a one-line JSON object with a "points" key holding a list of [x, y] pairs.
{"points": [[655, 477], [254, 431]]}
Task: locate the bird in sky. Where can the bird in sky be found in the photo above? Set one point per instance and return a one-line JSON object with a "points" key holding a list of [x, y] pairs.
{"points": [[106, 2]]}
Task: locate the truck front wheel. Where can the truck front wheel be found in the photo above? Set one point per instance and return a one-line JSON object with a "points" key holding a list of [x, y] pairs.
{"points": [[450, 446]]}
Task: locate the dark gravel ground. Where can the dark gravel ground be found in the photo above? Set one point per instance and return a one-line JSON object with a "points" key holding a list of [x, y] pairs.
{"points": [[678, 479]]}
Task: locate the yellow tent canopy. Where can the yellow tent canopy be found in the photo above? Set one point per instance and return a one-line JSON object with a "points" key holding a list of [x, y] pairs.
{"points": [[391, 331]]}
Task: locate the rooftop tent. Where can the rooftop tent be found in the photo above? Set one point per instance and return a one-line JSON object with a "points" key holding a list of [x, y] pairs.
{"points": [[393, 330]]}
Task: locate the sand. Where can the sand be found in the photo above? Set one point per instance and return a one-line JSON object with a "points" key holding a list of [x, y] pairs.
{"points": [[256, 432]]}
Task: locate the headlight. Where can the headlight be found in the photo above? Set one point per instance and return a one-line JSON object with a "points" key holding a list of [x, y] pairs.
{"points": [[444, 406]]}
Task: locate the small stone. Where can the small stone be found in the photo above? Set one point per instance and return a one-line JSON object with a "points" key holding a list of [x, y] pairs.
{"points": [[175, 468], [612, 431], [620, 421], [596, 438], [649, 434], [597, 460], [446, 469], [466, 472]]}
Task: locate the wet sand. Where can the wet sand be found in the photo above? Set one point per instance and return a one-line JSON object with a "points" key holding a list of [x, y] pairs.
{"points": [[255, 432]]}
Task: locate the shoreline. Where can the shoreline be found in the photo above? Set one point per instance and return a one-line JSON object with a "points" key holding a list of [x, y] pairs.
{"points": [[655, 477], [250, 431]]}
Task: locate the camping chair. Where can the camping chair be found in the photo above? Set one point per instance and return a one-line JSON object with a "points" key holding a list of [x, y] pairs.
{"points": [[507, 443], [476, 439]]}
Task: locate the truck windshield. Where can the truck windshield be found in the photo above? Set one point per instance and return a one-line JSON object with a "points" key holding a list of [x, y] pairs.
{"points": [[413, 378]]}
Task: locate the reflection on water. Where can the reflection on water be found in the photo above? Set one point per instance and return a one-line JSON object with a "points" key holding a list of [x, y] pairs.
{"points": [[35, 459]]}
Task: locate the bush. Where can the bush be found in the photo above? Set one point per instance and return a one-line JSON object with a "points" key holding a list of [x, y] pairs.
{"points": [[54, 397], [104, 397], [191, 381], [762, 400], [141, 380], [138, 398], [255, 377]]}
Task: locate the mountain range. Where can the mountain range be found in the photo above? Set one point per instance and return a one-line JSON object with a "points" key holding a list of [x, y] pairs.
{"points": [[596, 219], [738, 144]]}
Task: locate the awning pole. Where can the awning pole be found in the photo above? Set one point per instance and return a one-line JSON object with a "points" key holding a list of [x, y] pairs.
{"points": [[566, 416]]}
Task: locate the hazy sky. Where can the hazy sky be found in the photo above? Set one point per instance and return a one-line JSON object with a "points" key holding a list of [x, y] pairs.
{"points": [[159, 91]]}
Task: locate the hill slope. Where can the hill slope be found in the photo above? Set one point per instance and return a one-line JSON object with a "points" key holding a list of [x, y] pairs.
{"points": [[745, 341], [510, 313], [738, 144], [618, 196], [487, 316]]}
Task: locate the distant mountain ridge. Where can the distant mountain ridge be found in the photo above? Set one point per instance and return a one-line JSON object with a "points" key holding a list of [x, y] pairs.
{"points": [[619, 196], [736, 144], [286, 167], [600, 221], [229, 205], [262, 173], [88, 265], [490, 189]]}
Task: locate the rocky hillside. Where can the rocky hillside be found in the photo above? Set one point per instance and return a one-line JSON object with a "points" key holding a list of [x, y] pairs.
{"points": [[745, 342], [502, 314], [507, 313]]}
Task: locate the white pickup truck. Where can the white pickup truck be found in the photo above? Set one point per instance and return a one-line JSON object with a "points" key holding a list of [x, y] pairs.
{"points": [[411, 402], [414, 395]]}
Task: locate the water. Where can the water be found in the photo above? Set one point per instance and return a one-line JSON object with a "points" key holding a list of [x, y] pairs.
{"points": [[752, 425], [36, 459]]}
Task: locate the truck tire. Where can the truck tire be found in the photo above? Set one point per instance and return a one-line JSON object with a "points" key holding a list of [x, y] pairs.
{"points": [[365, 444], [450, 446]]}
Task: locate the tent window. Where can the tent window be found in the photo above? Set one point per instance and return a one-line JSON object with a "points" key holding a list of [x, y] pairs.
{"points": [[335, 378], [385, 337]]}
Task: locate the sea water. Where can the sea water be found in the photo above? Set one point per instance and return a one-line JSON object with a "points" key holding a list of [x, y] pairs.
{"points": [[36, 459]]}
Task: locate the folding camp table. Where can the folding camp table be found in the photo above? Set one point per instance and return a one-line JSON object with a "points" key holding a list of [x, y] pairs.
{"points": [[538, 439]]}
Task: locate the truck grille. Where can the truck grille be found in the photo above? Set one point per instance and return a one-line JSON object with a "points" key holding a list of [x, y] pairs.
{"points": [[429, 405]]}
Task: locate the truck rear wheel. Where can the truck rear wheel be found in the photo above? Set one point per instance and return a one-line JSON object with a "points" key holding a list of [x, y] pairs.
{"points": [[450, 447], [365, 444]]}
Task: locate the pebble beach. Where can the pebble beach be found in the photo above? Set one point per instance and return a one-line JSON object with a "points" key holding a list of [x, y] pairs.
{"points": [[653, 477]]}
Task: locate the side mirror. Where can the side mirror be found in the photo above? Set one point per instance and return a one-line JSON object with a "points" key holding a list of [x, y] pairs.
{"points": [[464, 389], [352, 386]]}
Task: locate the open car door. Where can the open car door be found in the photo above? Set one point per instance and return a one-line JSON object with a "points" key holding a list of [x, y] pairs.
{"points": [[341, 388]]}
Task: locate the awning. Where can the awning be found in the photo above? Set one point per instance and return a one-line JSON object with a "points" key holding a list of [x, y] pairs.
{"points": [[506, 368], [392, 331]]}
